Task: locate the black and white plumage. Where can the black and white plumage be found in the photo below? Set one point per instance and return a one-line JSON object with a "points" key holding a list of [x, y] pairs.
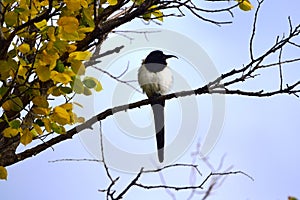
{"points": [[155, 78]]}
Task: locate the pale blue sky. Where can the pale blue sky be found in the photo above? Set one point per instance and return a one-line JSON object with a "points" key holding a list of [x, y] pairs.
{"points": [[260, 136]]}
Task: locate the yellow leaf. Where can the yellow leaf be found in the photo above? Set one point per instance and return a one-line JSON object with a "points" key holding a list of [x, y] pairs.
{"points": [[47, 124], [10, 132], [51, 33], [78, 67], [73, 5], [84, 3], [157, 13], [61, 116], [22, 71], [3, 173], [77, 119], [7, 105], [78, 104], [41, 111], [43, 72], [67, 106], [40, 101], [22, 61], [55, 91], [245, 5], [48, 58], [38, 129], [26, 137], [14, 104], [64, 78], [98, 87], [74, 36], [69, 24], [24, 48], [80, 55], [41, 25], [60, 46], [80, 119], [86, 29], [112, 2], [71, 48], [69, 72], [87, 16]]}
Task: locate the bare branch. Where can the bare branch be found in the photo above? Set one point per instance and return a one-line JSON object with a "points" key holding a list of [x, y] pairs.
{"points": [[102, 154], [132, 183], [75, 160], [190, 187], [280, 69], [254, 29]]}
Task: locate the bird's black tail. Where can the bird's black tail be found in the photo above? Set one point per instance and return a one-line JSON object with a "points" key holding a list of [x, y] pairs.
{"points": [[158, 112]]}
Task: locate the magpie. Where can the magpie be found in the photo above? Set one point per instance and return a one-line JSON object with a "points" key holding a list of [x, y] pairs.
{"points": [[155, 78]]}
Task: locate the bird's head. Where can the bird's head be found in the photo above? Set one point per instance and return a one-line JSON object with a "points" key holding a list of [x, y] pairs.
{"points": [[158, 57]]}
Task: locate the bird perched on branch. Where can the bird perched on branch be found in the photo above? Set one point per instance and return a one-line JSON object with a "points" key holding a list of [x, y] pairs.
{"points": [[155, 78]]}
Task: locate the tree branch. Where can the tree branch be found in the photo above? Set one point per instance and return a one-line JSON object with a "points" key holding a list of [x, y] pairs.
{"points": [[211, 88]]}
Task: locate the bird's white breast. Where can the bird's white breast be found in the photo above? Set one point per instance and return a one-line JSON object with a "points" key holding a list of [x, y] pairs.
{"points": [[155, 82]]}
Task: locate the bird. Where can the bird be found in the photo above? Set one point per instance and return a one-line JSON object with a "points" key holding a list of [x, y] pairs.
{"points": [[156, 79]]}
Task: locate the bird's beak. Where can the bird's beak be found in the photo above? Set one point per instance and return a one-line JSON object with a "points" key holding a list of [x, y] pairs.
{"points": [[170, 56]]}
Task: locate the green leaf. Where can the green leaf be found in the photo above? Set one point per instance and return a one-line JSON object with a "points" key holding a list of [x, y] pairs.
{"points": [[78, 86], [4, 66], [66, 90], [89, 82], [58, 129], [60, 67], [18, 10], [39, 122], [15, 124], [3, 90], [9, 1], [12, 53], [11, 18], [61, 45], [138, 2], [43, 72], [87, 17], [147, 16], [87, 91]]}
